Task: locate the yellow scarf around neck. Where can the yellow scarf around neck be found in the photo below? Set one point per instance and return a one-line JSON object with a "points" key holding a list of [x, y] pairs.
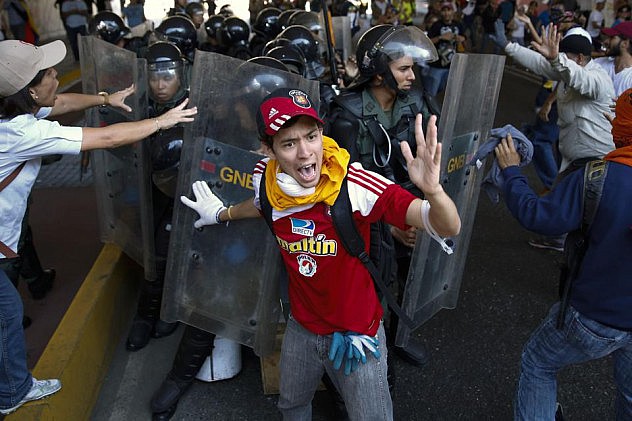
{"points": [[332, 173]]}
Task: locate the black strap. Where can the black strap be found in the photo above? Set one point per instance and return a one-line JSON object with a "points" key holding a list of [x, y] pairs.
{"points": [[594, 178], [266, 207], [342, 215]]}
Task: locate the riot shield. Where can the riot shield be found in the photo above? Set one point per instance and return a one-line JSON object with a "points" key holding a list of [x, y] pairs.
{"points": [[224, 278], [342, 35], [467, 116], [122, 175]]}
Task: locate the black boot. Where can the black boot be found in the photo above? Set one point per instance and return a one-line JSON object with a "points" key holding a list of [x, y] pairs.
{"points": [[139, 334], [164, 416], [40, 287], [194, 347], [146, 316], [163, 329]]}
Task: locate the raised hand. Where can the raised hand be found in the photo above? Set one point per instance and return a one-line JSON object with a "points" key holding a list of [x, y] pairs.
{"points": [[425, 168], [550, 45]]}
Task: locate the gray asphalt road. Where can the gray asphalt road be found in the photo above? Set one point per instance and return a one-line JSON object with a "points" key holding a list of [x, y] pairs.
{"points": [[475, 349]]}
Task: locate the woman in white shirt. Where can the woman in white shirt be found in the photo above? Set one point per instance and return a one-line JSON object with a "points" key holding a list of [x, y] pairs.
{"points": [[28, 94]]}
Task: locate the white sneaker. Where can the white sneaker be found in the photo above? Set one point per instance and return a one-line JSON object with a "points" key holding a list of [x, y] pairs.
{"points": [[40, 389]]}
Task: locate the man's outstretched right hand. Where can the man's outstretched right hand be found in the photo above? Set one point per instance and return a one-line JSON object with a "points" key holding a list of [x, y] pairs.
{"points": [[206, 204]]}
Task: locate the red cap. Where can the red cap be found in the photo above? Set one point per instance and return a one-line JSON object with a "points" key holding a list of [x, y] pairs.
{"points": [[280, 106], [623, 29]]}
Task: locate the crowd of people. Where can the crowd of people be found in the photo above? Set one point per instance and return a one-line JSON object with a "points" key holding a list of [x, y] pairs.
{"points": [[372, 138]]}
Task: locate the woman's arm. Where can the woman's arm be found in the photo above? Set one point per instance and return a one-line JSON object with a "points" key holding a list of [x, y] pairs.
{"points": [[124, 133], [67, 103]]}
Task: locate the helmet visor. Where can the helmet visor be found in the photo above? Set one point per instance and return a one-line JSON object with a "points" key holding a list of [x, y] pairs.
{"points": [[165, 83], [409, 41]]}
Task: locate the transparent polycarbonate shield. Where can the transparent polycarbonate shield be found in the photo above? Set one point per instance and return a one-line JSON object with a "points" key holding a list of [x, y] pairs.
{"points": [[467, 116], [224, 278], [122, 175], [342, 36]]}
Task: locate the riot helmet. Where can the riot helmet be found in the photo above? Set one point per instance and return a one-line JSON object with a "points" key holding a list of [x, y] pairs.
{"points": [[277, 42], [213, 25], [306, 41], [267, 22], [226, 11], [108, 26], [180, 31], [290, 57], [270, 62], [234, 31], [382, 44], [307, 19], [166, 73], [195, 12], [284, 17]]}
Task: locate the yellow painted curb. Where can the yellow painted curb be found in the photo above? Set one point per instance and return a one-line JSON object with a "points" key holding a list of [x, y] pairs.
{"points": [[81, 349]]}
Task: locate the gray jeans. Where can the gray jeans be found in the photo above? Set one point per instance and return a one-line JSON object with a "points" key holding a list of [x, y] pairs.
{"points": [[304, 359]]}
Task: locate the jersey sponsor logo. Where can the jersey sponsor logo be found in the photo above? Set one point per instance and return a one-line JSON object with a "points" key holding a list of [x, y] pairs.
{"points": [[303, 227], [317, 246], [306, 265]]}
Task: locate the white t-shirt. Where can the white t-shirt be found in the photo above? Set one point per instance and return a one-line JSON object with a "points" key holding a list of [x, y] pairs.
{"points": [[622, 80], [26, 138], [597, 17], [519, 31]]}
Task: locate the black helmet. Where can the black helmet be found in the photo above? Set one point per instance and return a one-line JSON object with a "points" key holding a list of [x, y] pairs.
{"points": [[181, 31], [195, 11], [226, 11], [306, 41], [108, 26], [194, 8], [284, 17], [382, 44], [234, 31], [291, 57], [277, 42], [213, 25], [307, 19], [267, 22], [165, 65], [270, 62]]}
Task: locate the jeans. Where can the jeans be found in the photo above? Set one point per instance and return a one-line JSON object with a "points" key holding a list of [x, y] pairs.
{"points": [[15, 378], [550, 349], [435, 79], [304, 359]]}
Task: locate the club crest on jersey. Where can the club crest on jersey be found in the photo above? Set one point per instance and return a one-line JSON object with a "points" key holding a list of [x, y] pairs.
{"points": [[306, 265], [303, 227], [300, 98]]}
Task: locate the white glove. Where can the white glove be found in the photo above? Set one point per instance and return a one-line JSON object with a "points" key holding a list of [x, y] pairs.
{"points": [[358, 342], [207, 205]]}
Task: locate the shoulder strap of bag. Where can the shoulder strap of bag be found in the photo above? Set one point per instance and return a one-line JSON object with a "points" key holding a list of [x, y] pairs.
{"points": [[577, 242], [4, 249], [342, 215]]}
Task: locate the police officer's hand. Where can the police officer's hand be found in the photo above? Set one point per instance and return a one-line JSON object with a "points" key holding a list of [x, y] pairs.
{"points": [[424, 169], [117, 99], [506, 153], [206, 204], [176, 115]]}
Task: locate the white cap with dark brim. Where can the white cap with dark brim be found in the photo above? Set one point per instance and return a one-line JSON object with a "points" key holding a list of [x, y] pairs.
{"points": [[20, 62]]}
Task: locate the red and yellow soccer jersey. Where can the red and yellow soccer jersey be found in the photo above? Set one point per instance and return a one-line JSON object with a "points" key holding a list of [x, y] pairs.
{"points": [[329, 289]]}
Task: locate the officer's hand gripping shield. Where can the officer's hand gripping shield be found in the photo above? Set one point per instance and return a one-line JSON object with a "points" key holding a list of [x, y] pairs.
{"points": [[122, 175], [467, 116], [225, 278]]}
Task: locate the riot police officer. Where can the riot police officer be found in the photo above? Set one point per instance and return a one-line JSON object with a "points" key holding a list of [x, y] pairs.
{"points": [[168, 87], [109, 27], [179, 8], [212, 26], [377, 112], [233, 38], [180, 31], [266, 27]]}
